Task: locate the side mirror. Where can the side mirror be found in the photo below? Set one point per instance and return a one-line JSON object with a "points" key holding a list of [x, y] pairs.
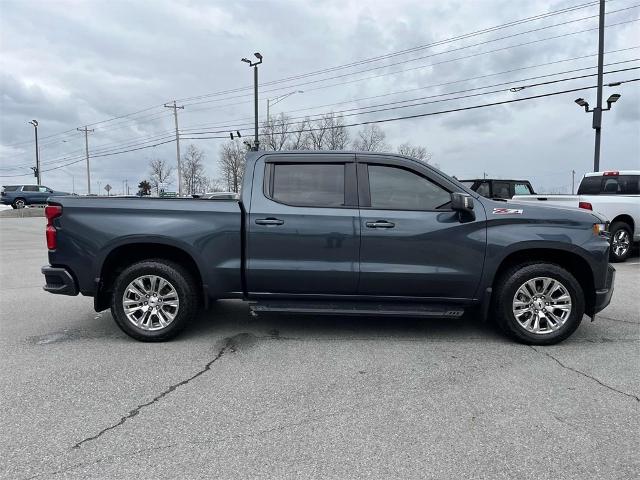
{"points": [[463, 203]]}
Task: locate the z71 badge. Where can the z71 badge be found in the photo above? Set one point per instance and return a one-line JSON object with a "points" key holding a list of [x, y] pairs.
{"points": [[507, 211]]}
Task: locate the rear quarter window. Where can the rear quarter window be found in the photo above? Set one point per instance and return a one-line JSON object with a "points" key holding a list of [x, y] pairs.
{"points": [[10, 188]]}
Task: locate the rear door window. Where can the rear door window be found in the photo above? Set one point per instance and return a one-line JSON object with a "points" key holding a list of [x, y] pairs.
{"points": [[308, 184], [30, 188]]}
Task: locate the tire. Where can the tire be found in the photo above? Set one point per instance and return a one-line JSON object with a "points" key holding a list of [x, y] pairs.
{"points": [[508, 297], [19, 203], [621, 241], [144, 322]]}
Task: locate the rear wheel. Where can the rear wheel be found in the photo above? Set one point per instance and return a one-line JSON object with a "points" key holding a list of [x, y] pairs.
{"points": [[620, 241], [539, 303], [153, 300], [19, 203]]}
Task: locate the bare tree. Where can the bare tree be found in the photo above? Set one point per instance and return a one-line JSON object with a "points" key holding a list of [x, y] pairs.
{"points": [[327, 133], [275, 132], [194, 178], [161, 172], [415, 151], [371, 138], [338, 136], [232, 163], [298, 139]]}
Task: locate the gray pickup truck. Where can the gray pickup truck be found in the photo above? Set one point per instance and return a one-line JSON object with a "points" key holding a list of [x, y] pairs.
{"points": [[342, 233]]}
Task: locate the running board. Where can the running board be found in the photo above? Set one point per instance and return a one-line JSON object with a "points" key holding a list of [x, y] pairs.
{"points": [[357, 308]]}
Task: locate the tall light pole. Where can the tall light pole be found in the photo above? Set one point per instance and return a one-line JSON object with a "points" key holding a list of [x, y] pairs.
{"points": [[597, 111], [36, 170], [256, 141], [86, 149], [274, 100], [175, 118], [597, 123]]}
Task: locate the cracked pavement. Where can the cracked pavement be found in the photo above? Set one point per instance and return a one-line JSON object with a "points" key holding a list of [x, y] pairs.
{"points": [[298, 396]]}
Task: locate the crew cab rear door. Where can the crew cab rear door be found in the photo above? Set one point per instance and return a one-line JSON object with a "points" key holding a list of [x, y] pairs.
{"points": [[303, 229], [412, 243]]}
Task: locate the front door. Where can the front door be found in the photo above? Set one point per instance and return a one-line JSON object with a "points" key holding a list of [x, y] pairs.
{"points": [[303, 226], [413, 244]]}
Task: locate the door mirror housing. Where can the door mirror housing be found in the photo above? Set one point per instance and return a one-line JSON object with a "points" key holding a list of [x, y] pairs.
{"points": [[463, 204]]}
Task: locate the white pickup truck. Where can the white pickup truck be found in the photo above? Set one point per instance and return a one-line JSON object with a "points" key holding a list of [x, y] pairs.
{"points": [[614, 194]]}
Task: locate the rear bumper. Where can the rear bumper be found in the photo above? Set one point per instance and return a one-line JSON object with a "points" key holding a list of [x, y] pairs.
{"points": [[59, 280], [603, 296]]}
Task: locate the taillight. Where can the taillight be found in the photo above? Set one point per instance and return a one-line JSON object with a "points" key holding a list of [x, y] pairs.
{"points": [[51, 212], [585, 205]]}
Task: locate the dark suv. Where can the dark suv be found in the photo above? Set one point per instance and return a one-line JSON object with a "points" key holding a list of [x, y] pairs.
{"points": [[19, 196], [499, 188]]}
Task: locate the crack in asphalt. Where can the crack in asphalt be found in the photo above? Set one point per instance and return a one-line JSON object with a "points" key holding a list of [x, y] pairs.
{"points": [[598, 381], [156, 399], [617, 320]]}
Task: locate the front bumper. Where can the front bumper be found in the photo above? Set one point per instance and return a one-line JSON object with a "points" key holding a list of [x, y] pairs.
{"points": [[59, 280], [603, 296]]}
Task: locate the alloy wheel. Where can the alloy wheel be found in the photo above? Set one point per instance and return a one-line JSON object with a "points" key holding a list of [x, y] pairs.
{"points": [[620, 243], [542, 305], [150, 302]]}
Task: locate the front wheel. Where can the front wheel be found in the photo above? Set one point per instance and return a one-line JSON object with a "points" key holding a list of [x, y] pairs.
{"points": [[153, 300], [620, 241], [539, 303]]}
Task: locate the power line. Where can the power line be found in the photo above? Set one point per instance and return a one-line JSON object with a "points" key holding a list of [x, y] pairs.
{"points": [[222, 125], [420, 115], [389, 105]]}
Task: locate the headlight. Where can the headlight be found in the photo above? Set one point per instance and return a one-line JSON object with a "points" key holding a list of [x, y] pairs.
{"points": [[601, 229]]}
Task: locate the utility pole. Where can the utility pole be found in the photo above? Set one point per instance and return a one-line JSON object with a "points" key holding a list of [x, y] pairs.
{"points": [[256, 141], [175, 118], [86, 148], [597, 112], [36, 170], [573, 182]]}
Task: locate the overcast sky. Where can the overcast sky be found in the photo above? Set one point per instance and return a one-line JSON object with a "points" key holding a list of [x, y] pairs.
{"points": [[68, 64]]}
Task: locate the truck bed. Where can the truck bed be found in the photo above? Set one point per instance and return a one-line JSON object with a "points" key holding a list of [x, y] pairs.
{"points": [[93, 228]]}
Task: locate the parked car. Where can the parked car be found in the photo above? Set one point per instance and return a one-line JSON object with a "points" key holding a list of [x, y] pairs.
{"points": [[19, 196], [333, 233], [499, 188], [613, 194]]}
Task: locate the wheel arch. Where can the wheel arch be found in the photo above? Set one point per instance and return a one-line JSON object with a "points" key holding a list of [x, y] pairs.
{"points": [[124, 255], [571, 261], [625, 218]]}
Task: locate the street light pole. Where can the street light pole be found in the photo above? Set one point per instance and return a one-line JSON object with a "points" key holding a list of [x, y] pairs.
{"points": [[256, 140], [273, 101], [36, 170]]}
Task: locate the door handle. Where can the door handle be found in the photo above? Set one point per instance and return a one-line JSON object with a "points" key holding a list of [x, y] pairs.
{"points": [[381, 224], [269, 221]]}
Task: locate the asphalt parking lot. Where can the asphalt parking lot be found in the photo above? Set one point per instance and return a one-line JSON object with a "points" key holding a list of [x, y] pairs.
{"points": [[287, 397]]}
